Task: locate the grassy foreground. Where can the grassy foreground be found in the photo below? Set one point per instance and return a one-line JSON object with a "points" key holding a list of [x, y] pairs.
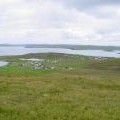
{"points": [[78, 88]]}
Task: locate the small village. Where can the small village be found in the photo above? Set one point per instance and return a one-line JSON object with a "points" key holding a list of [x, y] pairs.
{"points": [[41, 64]]}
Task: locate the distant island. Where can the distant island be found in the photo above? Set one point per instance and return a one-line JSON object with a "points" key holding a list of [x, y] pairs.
{"points": [[66, 46]]}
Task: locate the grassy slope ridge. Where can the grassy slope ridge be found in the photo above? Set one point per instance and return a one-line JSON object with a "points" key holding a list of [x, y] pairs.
{"points": [[89, 91]]}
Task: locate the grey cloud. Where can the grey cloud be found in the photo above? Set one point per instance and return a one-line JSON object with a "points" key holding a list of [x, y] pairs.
{"points": [[87, 4], [93, 7]]}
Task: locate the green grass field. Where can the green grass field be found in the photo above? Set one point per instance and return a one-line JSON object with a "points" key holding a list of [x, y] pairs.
{"points": [[78, 88]]}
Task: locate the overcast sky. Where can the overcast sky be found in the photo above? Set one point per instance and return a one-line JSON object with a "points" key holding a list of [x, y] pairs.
{"points": [[60, 21]]}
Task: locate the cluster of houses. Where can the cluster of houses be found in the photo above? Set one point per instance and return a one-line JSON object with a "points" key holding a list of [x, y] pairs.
{"points": [[40, 64], [36, 64], [43, 67], [100, 58]]}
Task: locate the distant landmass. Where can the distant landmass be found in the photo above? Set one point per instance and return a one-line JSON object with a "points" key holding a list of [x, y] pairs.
{"points": [[73, 47]]}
